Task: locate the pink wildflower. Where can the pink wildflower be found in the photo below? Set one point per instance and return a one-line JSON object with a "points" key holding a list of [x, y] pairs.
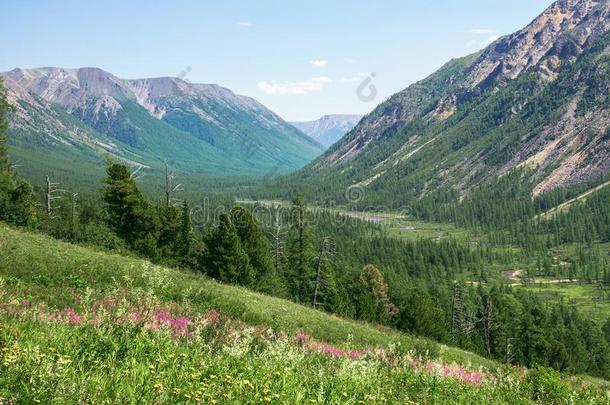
{"points": [[67, 316], [302, 337], [211, 317]]}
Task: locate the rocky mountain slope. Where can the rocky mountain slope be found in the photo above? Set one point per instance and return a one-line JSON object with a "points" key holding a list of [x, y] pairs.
{"points": [[536, 99], [328, 129], [82, 113]]}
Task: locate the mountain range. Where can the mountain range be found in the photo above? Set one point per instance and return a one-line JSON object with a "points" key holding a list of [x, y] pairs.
{"points": [[75, 116], [328, 129], [537, 100]]}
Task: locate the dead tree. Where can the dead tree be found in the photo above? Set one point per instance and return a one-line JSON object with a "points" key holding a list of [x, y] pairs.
{"points": [[138, 173], [457, 303], [277, 236], [488, 323], [170, 187], [324, 252], [51, 195], [463, 320], [74, 201], [508, 351]]}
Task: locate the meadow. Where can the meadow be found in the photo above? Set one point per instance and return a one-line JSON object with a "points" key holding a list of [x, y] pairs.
{"points": [[80, 325]]}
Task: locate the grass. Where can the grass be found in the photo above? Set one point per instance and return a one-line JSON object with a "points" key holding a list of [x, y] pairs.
{"points": [[396, 224], [45, 269], [80, 325], [589, 298]]}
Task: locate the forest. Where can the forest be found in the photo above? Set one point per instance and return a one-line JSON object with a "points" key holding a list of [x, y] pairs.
{"points": [[343, 265]]}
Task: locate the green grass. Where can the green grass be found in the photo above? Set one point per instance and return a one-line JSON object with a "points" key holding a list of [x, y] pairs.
{"points": [[243, 358], [46, 269], [591, 299]]}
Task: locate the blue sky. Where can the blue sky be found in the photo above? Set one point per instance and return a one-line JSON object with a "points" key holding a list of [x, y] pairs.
{"points": [[301, 59]]}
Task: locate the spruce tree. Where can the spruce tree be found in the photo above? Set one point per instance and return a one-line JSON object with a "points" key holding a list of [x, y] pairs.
{"points": [[22, 206], [128, 212], [252, 241], [17, 202], [300, 253], [226, 259]]}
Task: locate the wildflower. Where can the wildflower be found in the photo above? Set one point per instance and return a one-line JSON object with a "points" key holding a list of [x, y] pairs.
{"points": [[302, 337], [211, 317]]}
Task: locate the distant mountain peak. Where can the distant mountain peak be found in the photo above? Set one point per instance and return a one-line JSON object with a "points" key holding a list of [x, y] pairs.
{"points": [[198, 125], [329, 128]]}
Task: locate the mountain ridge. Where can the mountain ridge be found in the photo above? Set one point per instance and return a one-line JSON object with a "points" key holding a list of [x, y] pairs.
{"points": [[329, 128], [147, 121], [527, 100]]}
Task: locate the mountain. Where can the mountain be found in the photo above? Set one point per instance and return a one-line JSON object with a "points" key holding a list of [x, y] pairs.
{"points": [[79, 114], [328, 129], [537, 100]]}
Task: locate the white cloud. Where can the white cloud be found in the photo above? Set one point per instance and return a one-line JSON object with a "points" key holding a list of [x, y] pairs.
{"points": [[244, 24], [358, 77], [299, 88], [318, 63], [481, 31], [348, 60]]}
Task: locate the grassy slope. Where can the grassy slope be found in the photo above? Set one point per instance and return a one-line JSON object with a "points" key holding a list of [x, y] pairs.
{"points": [[114, 363], [50, 270]]}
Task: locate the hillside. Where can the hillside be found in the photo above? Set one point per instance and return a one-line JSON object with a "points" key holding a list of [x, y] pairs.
{"points": [[536, 99], [328, 129], [77, 115], [82, 325]]}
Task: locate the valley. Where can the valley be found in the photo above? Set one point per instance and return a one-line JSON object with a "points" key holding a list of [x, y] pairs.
{"points": [[165, 239]]}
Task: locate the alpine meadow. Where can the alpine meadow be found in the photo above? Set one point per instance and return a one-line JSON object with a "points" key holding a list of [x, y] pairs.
{"points": [[440, 242]]}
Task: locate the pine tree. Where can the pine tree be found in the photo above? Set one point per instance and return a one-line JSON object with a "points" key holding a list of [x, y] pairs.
{"points": [[170, 231], [22, 208], [252, 240], [374, 284], [300, 255], [226, 259], [17, 202], [128, 212]]}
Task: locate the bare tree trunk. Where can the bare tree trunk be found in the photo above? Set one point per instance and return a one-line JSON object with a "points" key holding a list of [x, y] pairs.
{"points": [[487, 324], [170, 188], [50, 193], [49, 197], [74, 200], [277, 243]]}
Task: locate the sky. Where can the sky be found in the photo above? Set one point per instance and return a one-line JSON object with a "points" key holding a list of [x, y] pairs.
{"points": [[301, 59]]}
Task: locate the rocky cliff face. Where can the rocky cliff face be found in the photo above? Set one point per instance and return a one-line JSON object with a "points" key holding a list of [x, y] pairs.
{"points": [[560, 33], [537, 98]]}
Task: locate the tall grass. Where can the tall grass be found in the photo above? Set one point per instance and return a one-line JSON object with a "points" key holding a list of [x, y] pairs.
{"points": [[80, 326]]}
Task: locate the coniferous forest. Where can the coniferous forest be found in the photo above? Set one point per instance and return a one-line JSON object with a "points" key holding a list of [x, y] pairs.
{"points": [[163, 240], [439, 290]]}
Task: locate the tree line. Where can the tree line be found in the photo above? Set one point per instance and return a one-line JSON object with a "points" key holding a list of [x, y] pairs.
{"points": [[347, 267]]}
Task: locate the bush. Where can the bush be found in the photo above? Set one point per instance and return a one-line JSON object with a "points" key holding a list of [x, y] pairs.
{"points": [[546, 387]]}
